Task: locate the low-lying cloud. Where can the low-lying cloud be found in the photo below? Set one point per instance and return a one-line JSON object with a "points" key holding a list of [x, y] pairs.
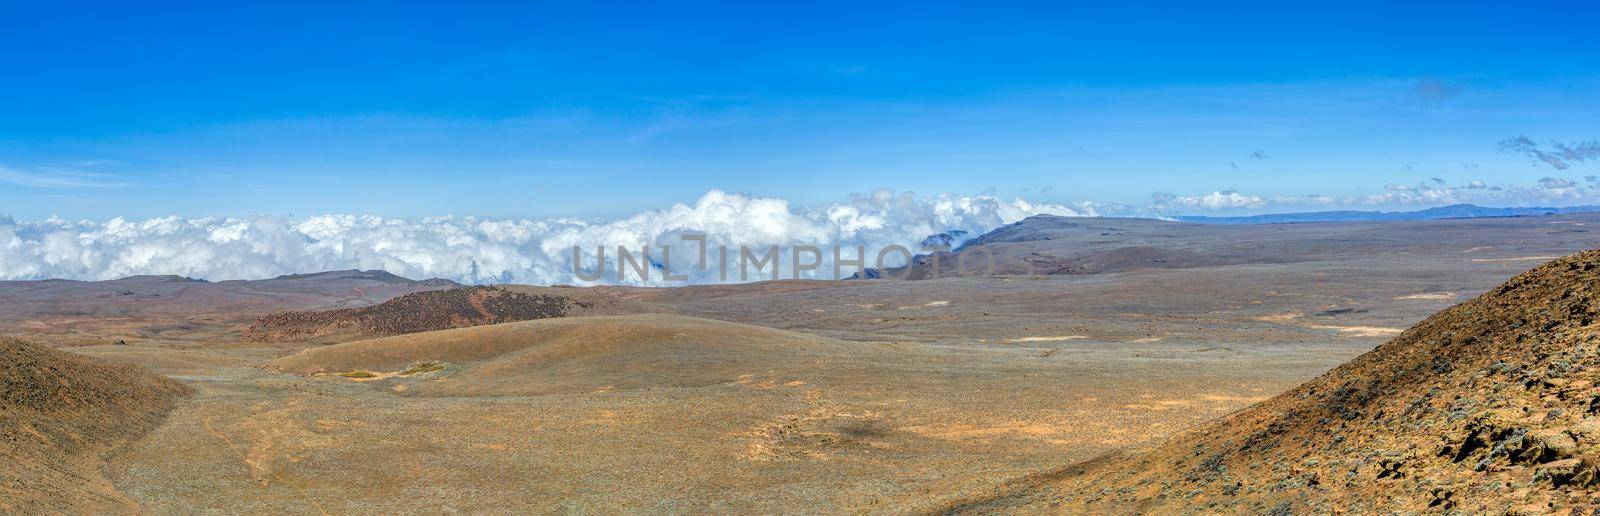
{"points": [[474, 250], [1223, 200], [1549, 191], [479, 250]]}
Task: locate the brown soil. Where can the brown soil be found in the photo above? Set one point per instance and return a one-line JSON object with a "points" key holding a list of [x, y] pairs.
{"points": [[1489, 406], [414, 313], [575, 355], [140, 309], [61, 414]]}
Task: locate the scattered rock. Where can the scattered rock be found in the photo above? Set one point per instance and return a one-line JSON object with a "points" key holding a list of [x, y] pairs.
{"points": [[1484, 407]]}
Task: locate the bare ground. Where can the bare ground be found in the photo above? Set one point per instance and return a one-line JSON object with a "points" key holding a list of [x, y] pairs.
{"points": [[915, 394]]}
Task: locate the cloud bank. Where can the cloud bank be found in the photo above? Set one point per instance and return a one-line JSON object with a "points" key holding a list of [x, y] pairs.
{"points": [[474, 250], [479, 250]]}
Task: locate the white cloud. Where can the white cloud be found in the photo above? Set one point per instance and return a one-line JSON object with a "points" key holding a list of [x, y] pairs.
{"points": [[474, 250], [1549, 191], [1556, 183], [1223, 200]]}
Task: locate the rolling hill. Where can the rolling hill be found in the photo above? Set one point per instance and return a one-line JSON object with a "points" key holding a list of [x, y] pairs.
{"points": [[436, 310], [570, 355], [60, 415]]}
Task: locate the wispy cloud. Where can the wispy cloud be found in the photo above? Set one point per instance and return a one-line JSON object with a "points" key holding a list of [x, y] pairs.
{"points": [[59, 179], [1560, 156], [1432, 91]]}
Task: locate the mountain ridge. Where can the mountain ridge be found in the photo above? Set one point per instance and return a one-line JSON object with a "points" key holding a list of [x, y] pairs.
{"points": [[1453, 211]]}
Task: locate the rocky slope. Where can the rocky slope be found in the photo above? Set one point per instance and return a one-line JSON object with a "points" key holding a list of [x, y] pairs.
{"points": [[1488, 406], [61, 414]]}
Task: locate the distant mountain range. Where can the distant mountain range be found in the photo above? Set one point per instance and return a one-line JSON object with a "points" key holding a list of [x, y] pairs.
{"points": [[1454, 211]]}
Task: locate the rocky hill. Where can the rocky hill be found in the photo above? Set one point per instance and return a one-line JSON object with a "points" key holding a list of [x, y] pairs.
{"points": [[431, 311], [60, 415], [1488, 406]]}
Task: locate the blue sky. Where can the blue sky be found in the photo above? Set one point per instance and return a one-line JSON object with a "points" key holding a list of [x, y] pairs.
{"points": [[603, 110]]}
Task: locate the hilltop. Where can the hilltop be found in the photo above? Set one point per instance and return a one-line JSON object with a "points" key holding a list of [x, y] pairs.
{"points": [[434, 310], [1488, 406]]}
